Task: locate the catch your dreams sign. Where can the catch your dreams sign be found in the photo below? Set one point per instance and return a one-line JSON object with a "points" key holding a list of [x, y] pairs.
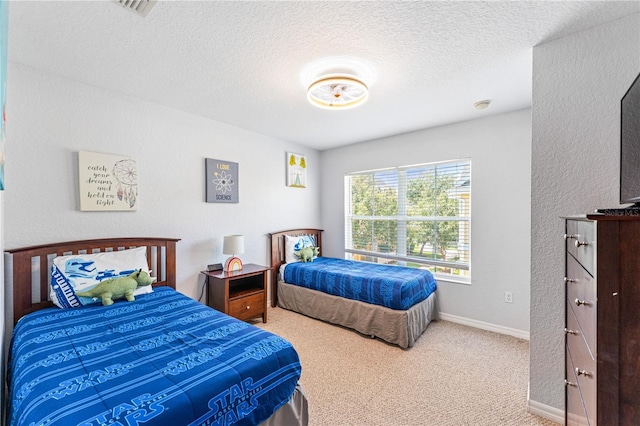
{"points": [[221, 181], [107, 182]]}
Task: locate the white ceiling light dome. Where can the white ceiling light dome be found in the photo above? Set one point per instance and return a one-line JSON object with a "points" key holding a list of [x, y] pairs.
{"points": [[337, 92], [337, 82]]}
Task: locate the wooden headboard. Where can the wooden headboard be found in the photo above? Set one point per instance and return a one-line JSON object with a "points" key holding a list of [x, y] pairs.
{"points": [[30, 267], [277, 253]]}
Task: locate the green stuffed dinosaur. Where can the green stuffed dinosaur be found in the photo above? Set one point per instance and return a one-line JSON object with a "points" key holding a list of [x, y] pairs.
{"points": [[306, 254], [117, 288]]}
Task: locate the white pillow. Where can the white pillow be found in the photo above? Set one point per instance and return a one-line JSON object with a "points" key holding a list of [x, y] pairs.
{"points": [[81, 272], [294, 244]]}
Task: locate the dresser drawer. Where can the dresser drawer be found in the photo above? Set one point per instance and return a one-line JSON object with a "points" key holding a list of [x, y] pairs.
{"points": [[581, 243], [247, 307], [581, 299], [584, 368], [575, 335], [575, 411]]}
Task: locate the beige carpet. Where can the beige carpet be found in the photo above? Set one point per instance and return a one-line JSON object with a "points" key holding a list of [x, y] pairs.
{"points": [[454, 375]]}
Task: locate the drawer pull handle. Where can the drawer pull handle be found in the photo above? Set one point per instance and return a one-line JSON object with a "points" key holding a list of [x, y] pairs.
{"points": [[248, 307], [570, 236], [568, 383], [569, 280], [581, 243], [582, 302], [568, 331], [584, 373]]}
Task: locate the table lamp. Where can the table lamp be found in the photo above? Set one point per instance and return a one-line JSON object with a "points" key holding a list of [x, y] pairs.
{"points": [[233, 245]]}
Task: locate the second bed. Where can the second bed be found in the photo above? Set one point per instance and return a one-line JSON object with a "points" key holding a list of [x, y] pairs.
{"points": [[395, 304]]}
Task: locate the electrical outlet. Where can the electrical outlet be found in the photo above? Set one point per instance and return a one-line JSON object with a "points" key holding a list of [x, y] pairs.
{"points": [[508, 297]]}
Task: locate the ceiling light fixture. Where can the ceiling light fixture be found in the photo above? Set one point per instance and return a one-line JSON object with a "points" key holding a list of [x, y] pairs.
{"points": [[482, 104], [337, 92]]}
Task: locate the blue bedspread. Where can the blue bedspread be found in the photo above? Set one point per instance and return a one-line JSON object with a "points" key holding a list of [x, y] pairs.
{"points": [[395, 287], [163, 359]]}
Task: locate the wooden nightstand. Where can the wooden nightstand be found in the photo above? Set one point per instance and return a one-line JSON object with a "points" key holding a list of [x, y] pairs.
{"points": [[241, 294]]}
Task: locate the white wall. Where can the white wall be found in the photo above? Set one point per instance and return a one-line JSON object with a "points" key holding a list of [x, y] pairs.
{"points": [[499, 148], [578, 82], [50, 119]]}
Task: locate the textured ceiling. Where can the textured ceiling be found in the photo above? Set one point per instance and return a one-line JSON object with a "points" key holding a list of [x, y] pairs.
{"points": [[247, 63]]}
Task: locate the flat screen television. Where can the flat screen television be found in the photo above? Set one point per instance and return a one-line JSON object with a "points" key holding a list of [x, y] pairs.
{"points": [[630, 146]]}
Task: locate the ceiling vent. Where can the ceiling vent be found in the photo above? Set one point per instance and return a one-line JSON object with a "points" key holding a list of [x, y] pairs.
{"points": [[141, 7]]}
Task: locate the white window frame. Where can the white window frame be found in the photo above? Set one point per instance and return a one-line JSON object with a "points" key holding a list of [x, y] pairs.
{"points": [[402, 219]]}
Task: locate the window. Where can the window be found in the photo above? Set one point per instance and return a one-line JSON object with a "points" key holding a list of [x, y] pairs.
{"points": [[417, 216]]}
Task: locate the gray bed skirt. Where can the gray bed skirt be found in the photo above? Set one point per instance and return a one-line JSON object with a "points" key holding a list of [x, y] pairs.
{"points": [[295, 412], [400, 328]]}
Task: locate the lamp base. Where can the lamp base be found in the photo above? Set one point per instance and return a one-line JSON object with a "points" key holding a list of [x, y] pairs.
{"points": [[233, 264]]}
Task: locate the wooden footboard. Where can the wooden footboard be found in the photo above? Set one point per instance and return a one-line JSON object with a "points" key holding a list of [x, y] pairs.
{"points": [[30, 267], [278, 257]]}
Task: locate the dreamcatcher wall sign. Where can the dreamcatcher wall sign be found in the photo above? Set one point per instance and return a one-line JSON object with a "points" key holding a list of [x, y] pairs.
{"points": [[221, 181], [107, 182]]}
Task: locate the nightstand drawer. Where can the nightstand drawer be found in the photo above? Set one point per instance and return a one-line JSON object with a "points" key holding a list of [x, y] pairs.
{"points": [[247, 307], [240, 294]]}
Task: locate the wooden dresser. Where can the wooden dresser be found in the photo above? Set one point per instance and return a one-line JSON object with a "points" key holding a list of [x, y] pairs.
{"points": [[602, 320]]}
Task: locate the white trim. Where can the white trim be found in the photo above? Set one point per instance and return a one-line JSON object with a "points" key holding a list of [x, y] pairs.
{"points": [[521, 334], [450, 278], [542, 410]]}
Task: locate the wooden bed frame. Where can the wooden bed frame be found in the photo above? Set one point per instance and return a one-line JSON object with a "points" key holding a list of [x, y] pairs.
{"points": [[277, 253], [30, 267]]}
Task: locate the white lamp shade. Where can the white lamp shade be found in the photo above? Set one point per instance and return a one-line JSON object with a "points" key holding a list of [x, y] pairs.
{"points": [[233, 244]]}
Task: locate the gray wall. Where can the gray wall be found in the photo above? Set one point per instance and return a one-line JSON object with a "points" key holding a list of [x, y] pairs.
{"points": [[577, 85], [52, 118], [499, 147]]}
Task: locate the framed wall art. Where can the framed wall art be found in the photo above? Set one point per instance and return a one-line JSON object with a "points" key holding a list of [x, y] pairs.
{"points": [[221, 181], [296, 170], [107, 182]]}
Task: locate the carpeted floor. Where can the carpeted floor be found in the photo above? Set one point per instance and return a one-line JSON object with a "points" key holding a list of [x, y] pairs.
{"points": [[454, 375]]}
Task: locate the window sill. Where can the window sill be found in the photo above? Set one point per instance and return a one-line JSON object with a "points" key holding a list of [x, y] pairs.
{"points": [[447, 278]]}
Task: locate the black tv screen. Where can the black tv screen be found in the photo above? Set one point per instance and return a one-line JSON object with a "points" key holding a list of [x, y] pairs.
{"points": [[630, 145]]}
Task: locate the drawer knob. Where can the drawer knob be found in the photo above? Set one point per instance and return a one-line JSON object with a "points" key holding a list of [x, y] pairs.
{"points": [[582, 372], [569, 280], [582, 302], [248, 307], [568, 383], [568, 331], [581, 243], [570, 236]]}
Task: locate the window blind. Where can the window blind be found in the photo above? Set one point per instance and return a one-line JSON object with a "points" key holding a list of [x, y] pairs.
{"points": [[415, 216]]}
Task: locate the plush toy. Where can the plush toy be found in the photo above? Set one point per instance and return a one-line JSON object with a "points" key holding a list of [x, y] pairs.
{"points": [[117, 288], [306, 254]]}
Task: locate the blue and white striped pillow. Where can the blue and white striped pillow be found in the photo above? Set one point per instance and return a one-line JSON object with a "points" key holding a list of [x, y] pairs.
{"points": [[82, 272]]}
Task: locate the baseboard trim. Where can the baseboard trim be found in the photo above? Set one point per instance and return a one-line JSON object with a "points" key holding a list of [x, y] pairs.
{"points": [[542, 410], [521, 334]]}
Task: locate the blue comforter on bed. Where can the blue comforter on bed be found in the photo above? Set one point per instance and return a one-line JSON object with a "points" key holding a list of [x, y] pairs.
{"points": [[395, 287], [163, 359]]}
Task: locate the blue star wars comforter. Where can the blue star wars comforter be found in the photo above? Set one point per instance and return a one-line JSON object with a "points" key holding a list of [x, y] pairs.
{"points": [[163, 359], [395, 287]]}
